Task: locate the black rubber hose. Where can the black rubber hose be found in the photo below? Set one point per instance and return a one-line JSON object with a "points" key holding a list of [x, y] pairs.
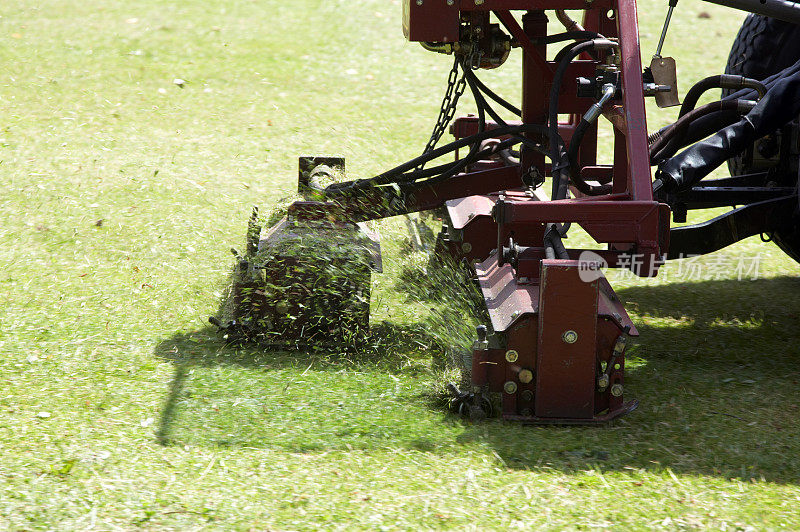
{"points": [[390, 175], [574, 171], [708, 125], [445, 170], [474, 85], [567, 36], [463, 163], [769, 82], [480, 104], [671, 140], [721, 81], [726, 118], [561, 53], [560, 186], [780, 105], [491, 94], [472, 80], [552, 115], [553, 246]]}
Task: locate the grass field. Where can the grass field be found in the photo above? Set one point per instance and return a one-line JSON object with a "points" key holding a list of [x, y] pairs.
{"points": [[121, 195]]}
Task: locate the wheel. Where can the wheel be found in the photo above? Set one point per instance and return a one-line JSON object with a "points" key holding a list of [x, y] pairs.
{"points": [[765, 46]]}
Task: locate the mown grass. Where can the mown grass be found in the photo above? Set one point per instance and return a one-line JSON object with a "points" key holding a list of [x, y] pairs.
{"points": [[121, 195]]}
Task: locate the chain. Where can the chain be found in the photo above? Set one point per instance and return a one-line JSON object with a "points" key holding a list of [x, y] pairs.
{"points": [[455, 88]]}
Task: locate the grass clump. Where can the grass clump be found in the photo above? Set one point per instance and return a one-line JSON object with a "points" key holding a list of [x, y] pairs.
{"points": [[303, 282]]}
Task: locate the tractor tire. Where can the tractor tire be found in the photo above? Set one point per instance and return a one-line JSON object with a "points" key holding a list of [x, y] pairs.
{"points": [[765, 46], [762, 47]]}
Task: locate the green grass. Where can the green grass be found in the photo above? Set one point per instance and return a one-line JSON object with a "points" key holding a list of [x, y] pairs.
{"points": [[120, 408]]}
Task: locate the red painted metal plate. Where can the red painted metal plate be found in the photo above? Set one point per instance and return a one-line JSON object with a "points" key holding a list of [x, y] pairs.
{"points": [[505, 300], [566, 372], [430, 21]]}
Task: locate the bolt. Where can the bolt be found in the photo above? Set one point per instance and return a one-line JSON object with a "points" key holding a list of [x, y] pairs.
{"points": [[478, 2], [527, 395], [525, 376], [512, 356], [419, 2], [510, 387], [476, 389], [450, 2], [466, 247], [616, 390], [602, 383], [570, 337]]}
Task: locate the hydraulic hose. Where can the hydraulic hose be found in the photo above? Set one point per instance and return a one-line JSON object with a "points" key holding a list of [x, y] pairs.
{"points": [[721, 81], [577, 137], [560, 185], [553, 245], [491, 94], [572, 35], [768, 82], [399, 173], [473, 82], [778, 107], [726, 118], [672, 138]]}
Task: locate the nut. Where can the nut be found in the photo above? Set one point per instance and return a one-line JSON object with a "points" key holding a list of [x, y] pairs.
{"points": [[466, 247], [602, 382], [616, 390], [570, 337], [510, 387], [525, 376], [527, 395], [512, 356]]}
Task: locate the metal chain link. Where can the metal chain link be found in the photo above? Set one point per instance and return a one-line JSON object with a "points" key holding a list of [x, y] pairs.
{"points": [[455, 88]]}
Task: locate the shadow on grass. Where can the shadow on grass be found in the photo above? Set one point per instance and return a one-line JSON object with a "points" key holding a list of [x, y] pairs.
{"points": [[208, 371], [716, 371]]}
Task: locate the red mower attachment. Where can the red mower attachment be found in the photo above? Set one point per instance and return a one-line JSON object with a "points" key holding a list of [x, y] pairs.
{"points": [[553, 349]]}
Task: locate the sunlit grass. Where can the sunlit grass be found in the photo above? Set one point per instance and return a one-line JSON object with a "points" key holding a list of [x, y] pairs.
{"points": [[122, 193]]}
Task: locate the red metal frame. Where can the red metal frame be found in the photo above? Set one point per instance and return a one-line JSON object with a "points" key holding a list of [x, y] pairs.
{"points": [[535, 303], [556, 350]]}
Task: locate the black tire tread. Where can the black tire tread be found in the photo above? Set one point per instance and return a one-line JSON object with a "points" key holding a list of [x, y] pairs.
{"points": [[763, 47]]}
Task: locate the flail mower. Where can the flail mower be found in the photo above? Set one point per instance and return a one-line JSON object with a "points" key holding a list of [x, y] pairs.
{"points": [[553, 346]]}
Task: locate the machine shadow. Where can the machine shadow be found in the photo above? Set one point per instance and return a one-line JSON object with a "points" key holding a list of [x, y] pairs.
{"points": [[716, 371], [389, 349]]}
